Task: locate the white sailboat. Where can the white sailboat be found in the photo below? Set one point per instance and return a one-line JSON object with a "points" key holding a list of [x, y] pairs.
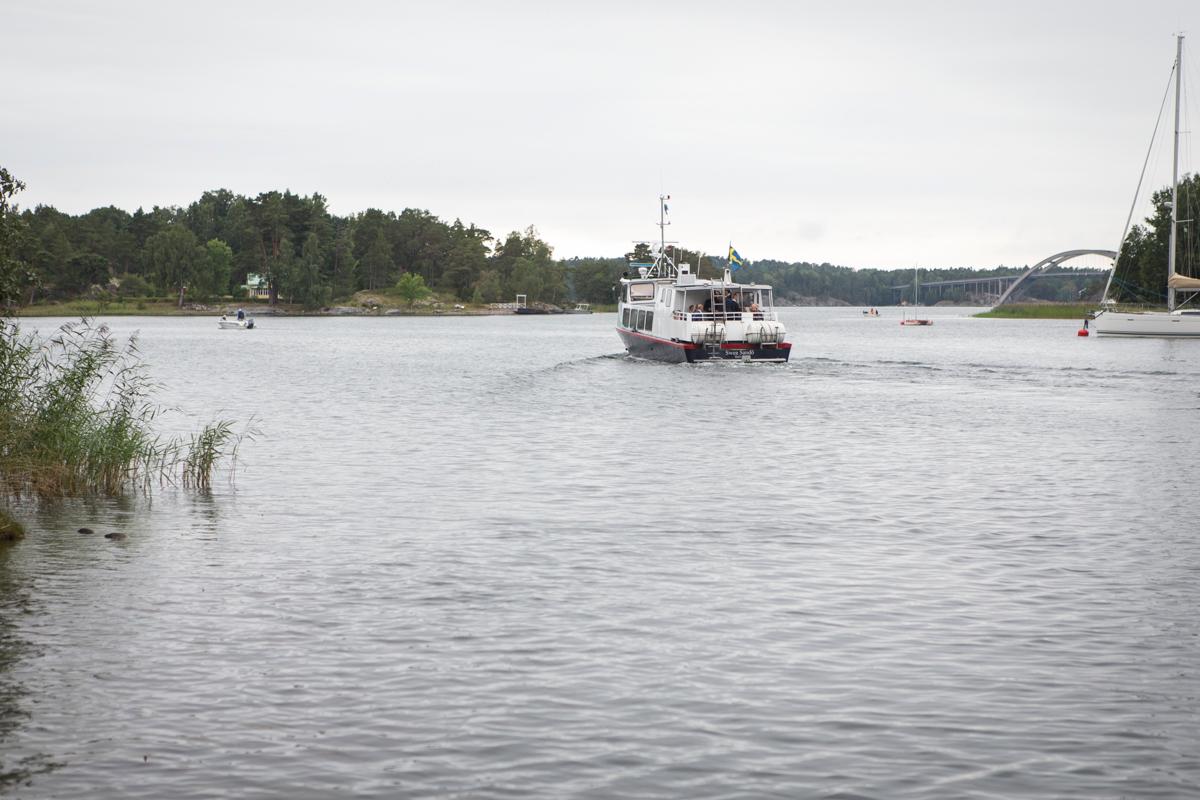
{"points": [[1174, 322], [914, 320]]}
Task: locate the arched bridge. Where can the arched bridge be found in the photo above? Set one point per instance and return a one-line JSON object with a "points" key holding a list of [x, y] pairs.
{"points": [[1054, 261], [998, 289]]}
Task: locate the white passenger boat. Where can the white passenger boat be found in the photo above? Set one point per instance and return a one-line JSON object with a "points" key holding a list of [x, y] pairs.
{"points": [[666, 313], [1175, 322]]}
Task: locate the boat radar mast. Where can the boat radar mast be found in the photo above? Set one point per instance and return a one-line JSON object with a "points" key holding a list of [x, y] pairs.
{"points": [[663, 265]]}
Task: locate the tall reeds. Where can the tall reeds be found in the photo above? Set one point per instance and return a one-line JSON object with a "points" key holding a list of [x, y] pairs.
{"points": [[75, 418]]}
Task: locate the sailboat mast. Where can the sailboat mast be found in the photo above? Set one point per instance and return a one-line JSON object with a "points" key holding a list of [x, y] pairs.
{"points": [[1175, 174]]}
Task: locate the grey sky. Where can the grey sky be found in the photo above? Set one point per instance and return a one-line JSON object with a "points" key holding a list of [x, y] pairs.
{"points": [[861, 133]]}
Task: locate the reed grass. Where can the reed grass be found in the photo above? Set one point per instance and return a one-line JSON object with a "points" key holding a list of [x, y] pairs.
{"points": [[1040, 311], [76, 414]]}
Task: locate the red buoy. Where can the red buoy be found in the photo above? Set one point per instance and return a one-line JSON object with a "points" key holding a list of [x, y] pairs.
{"points": [[1082, 332]]}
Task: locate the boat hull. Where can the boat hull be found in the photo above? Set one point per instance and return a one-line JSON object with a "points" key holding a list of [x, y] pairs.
{"points": [[656, 349], [1153, 325]]}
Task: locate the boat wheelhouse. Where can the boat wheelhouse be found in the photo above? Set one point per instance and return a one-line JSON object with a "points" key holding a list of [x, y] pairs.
{"points": [[665, 312]]}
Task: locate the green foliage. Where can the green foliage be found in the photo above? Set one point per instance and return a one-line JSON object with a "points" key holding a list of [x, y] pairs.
{"points": [[85, 270], [175, 258], [488, 288], [15, 273], [411, 288], [594, 279], [307, 286], [76, 414], [214, 269], [133, 286], [377, 264], [343, 277]]}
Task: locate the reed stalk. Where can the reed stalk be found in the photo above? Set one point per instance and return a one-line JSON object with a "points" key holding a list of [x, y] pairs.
{"points": [[76, 414]]}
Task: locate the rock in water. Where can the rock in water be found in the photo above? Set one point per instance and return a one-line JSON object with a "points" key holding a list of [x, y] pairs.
{"points": [[10, 530], [86, 530], [116, 537]]}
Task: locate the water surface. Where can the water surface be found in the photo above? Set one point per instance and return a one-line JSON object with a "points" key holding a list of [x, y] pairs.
{"points": [[492, 557]]}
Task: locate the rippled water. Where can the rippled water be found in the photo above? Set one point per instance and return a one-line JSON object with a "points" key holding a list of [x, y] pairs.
{"points": [[492, 557]]}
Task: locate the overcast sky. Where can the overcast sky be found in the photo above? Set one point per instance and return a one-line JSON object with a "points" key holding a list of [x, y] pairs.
{"points": [[870, 134]]}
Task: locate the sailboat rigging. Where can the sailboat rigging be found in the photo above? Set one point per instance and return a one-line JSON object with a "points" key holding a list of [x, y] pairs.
{"points": [[1175, 322], [914, 320]]}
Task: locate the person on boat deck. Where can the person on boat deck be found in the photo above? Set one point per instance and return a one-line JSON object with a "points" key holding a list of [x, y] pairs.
{"points": [[732, 306], [756, 311], [697, 311]]}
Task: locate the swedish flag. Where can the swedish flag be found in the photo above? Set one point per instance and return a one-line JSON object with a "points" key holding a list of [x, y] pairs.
{"points": [[735, 260]]}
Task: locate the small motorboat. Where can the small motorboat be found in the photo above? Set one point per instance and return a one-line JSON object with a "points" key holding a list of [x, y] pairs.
{"points": [[240, 322]]}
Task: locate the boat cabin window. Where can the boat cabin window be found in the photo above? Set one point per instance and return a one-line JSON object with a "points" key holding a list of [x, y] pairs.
{"points": [[625, 318], [641, 291], [647, 320]]}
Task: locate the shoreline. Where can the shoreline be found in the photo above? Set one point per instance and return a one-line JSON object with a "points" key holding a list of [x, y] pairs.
{"points": [[143, 308]]}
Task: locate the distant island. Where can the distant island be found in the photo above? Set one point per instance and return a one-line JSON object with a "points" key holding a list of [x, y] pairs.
{"points": [[287, 252]]}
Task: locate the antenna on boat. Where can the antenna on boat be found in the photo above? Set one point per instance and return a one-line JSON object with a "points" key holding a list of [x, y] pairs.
{"points": [[662, 220], [664, 265]]}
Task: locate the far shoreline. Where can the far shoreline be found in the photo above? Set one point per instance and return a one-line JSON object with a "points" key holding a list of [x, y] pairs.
{"points": [[165, 308]]}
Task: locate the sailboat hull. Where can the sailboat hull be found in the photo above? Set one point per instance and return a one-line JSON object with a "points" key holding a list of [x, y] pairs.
{"points": [[1158, 325]]}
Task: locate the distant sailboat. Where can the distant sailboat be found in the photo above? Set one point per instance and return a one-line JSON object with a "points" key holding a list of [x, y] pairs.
{"points": [[1174, 322], [913, 320]]}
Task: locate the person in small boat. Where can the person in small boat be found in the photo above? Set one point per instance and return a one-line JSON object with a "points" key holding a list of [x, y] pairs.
{"points": [[223, 318], [241, 315]]}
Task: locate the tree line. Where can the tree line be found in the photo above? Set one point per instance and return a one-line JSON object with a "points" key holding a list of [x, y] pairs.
{"points": [[309, 256], [304, 253]]}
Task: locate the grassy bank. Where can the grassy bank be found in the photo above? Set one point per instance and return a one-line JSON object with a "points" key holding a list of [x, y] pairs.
{"points": [[112, 308], [1040, 311], [377, 305], [152, 307]]}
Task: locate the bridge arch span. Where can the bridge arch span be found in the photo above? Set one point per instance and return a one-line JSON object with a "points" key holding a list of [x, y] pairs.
{"points": [[1052, 261]]}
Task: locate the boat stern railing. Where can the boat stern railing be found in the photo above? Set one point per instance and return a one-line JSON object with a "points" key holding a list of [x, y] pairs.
{"points": [[723, 316]]}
